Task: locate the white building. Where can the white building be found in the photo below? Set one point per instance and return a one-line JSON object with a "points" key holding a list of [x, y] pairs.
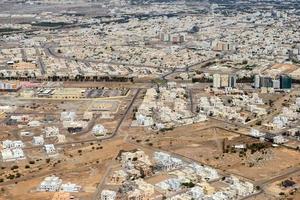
{"points": [[224, 80], [205, 172], [34, 123], [279, 139], [26, 133], [99, 130], [50, 184], [67, 116], [12, 154], [143, 120], [256, 133], [166, 162], [280, 121], [108, 195], [7, 155], [128, 157], [276, 84], [242, 188], [172, 184], [70, 187], [88, 116], [256, 81], [38, 140], [196, 192], [9, 144], [51, 132], [75, 124], [50, 148], [216, 80]]}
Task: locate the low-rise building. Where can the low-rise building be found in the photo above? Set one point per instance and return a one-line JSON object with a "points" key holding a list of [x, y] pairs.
{"points": [[242, 188], [12, 154], [108, 195], [87, 116], [256, 133], [166, 162], [9, 144], [205, 172], [118, 177], [172, 184], [136, 155], [70, 187], [74, 126], [99, 130], [135, 194], [279, 139], [51, 132], [38, 140], [196, 192], [67, 116], [146, 188], [50, 184], [50, 149], [34, 123]]}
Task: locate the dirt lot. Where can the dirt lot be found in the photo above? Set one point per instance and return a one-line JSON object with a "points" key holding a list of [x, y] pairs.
{"points": [[195, 141], [263, 196], [276, 188], [88, 161]]}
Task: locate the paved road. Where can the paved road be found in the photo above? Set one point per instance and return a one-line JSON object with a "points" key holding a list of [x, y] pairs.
{"points": [[126, 112], [264, 183], [191, 101], [78, 142], [100, 186], [45, 173], [40, 61], [187, 68], [48, 50], [108, 137], [284, 174], [24, 56]]}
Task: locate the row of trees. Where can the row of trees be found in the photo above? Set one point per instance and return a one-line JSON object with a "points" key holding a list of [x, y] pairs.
{"points": [[67, 78]]}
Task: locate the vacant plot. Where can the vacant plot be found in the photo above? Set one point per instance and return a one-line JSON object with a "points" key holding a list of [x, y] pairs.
{"points": [[214, 146], [256, 166], [88, 161], [277, 189]]}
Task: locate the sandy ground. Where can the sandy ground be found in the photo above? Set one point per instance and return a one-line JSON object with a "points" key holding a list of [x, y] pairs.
{"points": [[90, 164], [276, 188], [195, 141]]}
